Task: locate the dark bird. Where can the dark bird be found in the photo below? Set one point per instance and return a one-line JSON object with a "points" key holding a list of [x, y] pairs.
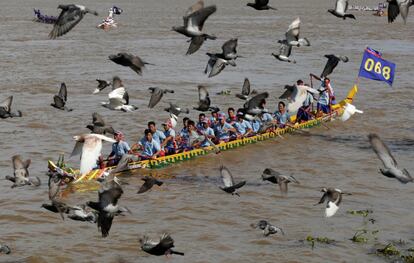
{"points": [[149, 183], [395, 7], [129, 60], [254, 106], [5, 249], [69, 17], [21, 173], [54, 184], [102, 84], [341, 6], [229, 185], [174, 109], [99, 126], [193, 26], [60, 98], [218, 61], [285, 51], [332, 63], [261, 5], [267, 228], [107, 206], [245, 90], [156, 95], [5, 109], [203, 100], [162, 247], [333, 198], [390, 164], [195, 7], [277, 178], [77, 213]]}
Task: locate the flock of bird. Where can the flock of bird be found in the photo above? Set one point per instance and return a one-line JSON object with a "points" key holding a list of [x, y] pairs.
{"points": [[103, 211]]}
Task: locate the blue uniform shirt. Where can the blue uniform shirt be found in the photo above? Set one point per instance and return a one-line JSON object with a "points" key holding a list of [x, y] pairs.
{"points": [[282, 118], [170, 132], [242, 127], [208, 131], [158, 136], [150, 147], [266, 117], [222, 132], [255, 125], [120, 148]]}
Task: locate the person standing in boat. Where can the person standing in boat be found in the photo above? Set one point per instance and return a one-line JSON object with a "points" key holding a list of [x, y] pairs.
{"points": [[169, 144], [119, 149], [281, 115], [304, 113], [326, 97], [150, 148]]}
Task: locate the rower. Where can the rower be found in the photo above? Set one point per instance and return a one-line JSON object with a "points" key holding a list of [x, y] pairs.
{"points": [[281, 115], [222, 129], [157, 135], [201, 117], [119, 148], [208, 132], [232, 117], [150, 148], [243, 127], [169, 143]]}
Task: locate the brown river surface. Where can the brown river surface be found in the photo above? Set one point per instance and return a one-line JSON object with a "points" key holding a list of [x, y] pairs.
{"points": [[206, 223]]}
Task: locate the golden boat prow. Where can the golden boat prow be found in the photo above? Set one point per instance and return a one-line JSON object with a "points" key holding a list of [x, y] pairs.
{"points": [[179, 157]]}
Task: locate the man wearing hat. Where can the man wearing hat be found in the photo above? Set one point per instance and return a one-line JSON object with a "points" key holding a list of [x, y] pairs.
{"points": [[222, 129], [169, 143], [119, 149]]}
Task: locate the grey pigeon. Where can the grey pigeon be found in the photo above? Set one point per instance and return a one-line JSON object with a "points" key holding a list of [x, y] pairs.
{"points": [[229, 185], [245, 90], [277, 178], [69, 17], [156, 95], [59, 100], [396, 7], [174, 109], [107, 206], [204, 101], [149, 182], [193, 26], [292, 35], [21, 173], [341, 6], [5, 109], [285, 51], [162, 247], [99, 126], [267, 228], [254, 106], [129, 60], [333, 198], [261, 5], [390, 164], [332, 63], [218, 61], [5, 249], [77, 213]]}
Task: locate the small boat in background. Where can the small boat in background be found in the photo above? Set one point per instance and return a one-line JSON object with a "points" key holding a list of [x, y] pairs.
{"points": [[109, 21], [39, 17]]}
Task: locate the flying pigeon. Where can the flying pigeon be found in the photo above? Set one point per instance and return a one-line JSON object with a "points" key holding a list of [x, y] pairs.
{"points": [[229, 185], [5, 109], [333, 198], [341, 6], [395, 7], [129, 60], [156, 95], [21, 173], [149, 183], [162, 247], [59, 100]]}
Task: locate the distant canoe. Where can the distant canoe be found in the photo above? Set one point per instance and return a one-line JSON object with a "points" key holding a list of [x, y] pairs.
{"points": [[39, 17]]}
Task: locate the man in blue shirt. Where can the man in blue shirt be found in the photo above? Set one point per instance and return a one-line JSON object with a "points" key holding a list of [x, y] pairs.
{"points": [[281, 115], [208, 132], [150, 147], [326, 97], [201, 117], [157, 135], [222, 129], [119, 148], [243, 127], [169, 143]]}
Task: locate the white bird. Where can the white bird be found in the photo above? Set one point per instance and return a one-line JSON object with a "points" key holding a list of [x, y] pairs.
{"points": [[333, 198], [384, 154], [395, 7], [173, 120], [341, 6], [349, 111], [297, 94], [118, 97], [292, 35], [89, 146]]}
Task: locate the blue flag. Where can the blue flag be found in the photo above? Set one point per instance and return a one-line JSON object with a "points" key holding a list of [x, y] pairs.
{"points": [[373, 66]]}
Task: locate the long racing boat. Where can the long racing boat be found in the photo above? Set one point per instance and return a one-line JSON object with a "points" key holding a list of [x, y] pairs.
{"points": [[74, 177]]}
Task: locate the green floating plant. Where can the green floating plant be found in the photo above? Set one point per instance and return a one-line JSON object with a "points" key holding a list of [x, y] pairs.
{"points": [[408, 258], [312, 240], [389, 250], [363, 213], [360, 236]]}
